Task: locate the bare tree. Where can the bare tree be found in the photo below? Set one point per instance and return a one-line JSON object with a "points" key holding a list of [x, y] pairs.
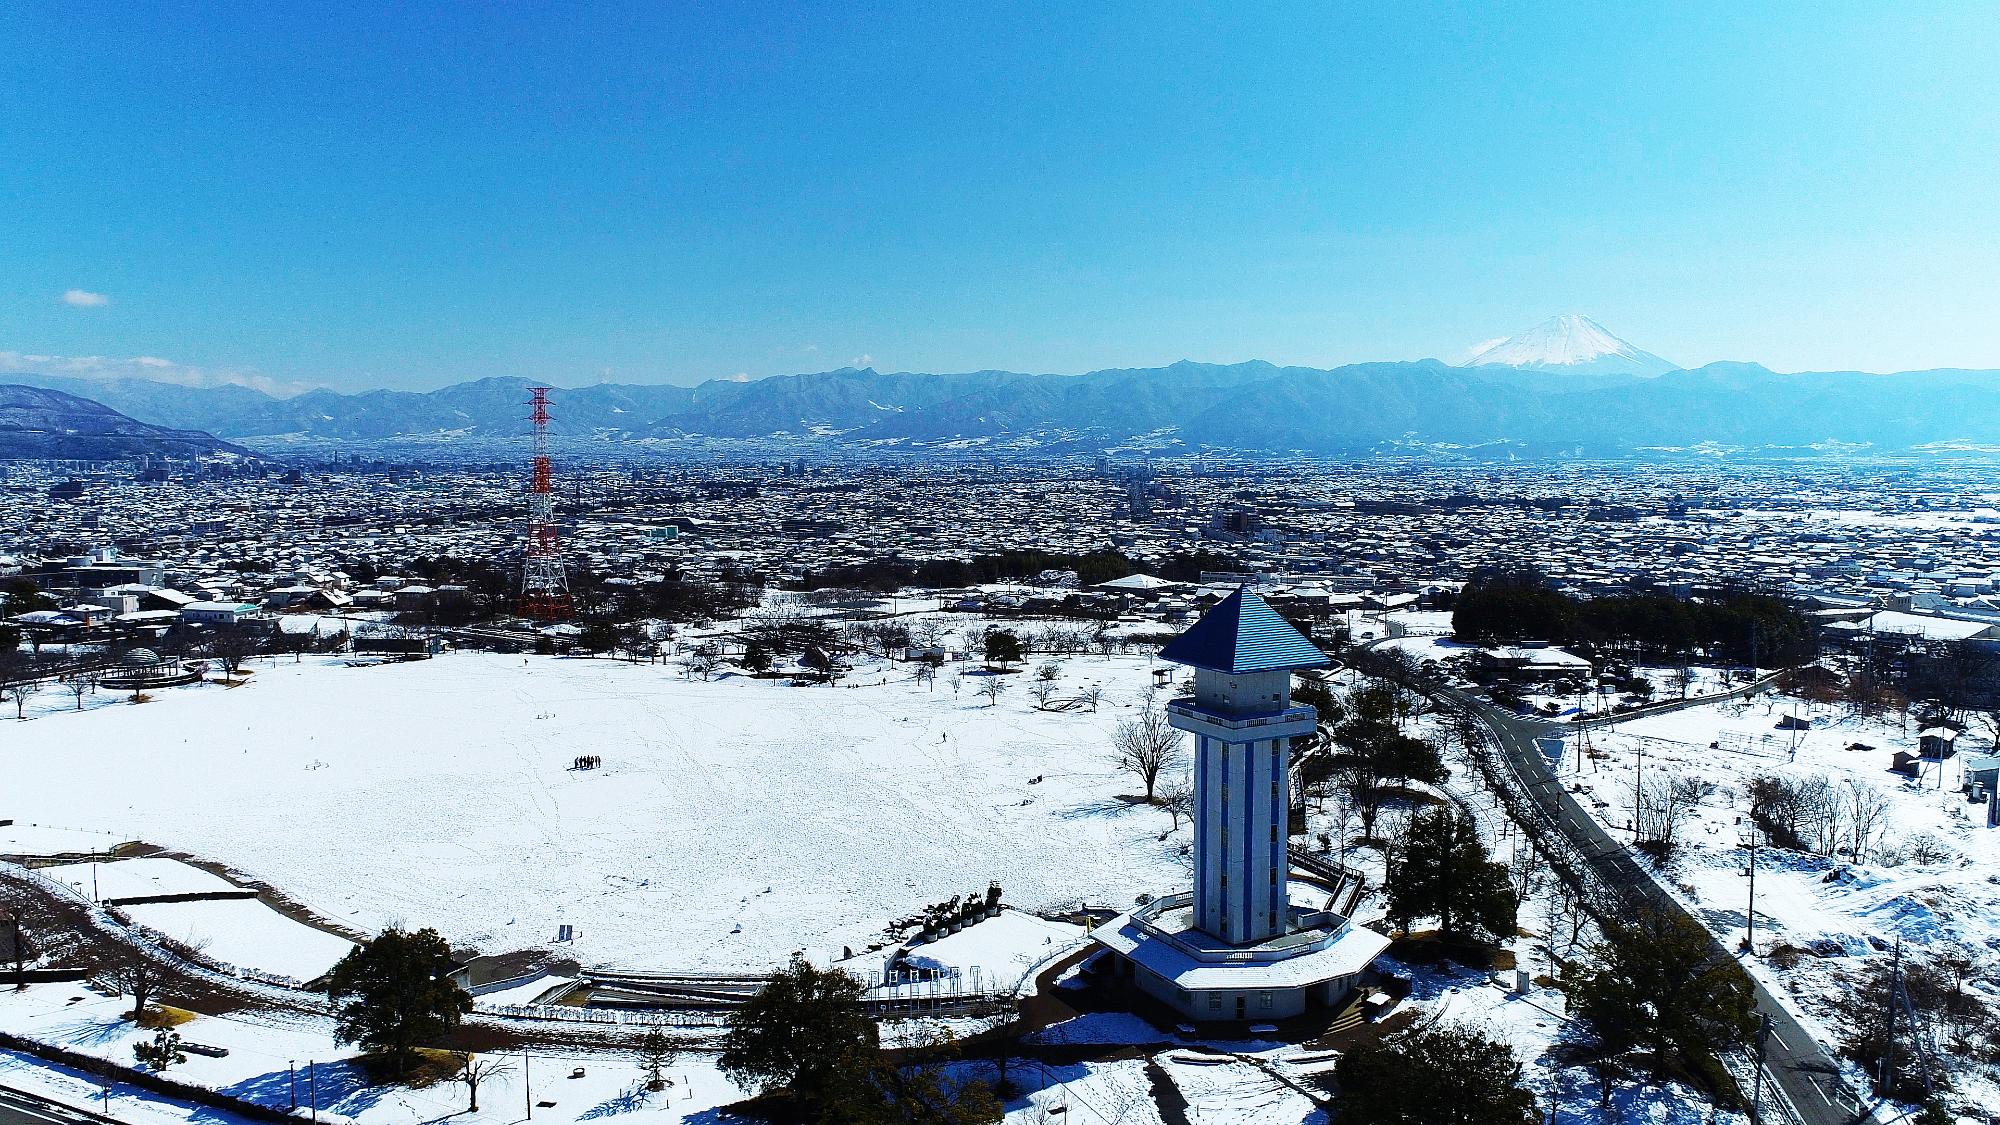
{"points": [[80, 684], [1565, 916], [13, 903], [635, 646], [1177, 797], [1679, 680], [1867, 817], [1092, 696], [129, 972], [1042, 692], [474, 1070], [1146, 747], [991, 687], [232, 646], [298, 644], [1666, 804], [698, 662], [18, 694]]}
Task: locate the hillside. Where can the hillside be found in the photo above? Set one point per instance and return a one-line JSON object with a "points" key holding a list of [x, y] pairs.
{"points": [[39, 423]]}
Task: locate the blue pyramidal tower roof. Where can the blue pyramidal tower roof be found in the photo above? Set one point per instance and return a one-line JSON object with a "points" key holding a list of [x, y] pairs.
{"points": [[1242, 633]]}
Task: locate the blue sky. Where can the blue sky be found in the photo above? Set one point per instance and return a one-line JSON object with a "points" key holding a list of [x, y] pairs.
{"points": [[410, 195]]}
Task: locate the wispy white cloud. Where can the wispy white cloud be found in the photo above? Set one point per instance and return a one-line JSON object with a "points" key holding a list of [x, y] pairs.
{"points": [[84, 299], [150, 367], [861, 361], [1473, 351], [740, 377]]}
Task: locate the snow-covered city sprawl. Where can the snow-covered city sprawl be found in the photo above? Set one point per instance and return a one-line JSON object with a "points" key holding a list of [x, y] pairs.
{"points": [[1562, 781]]}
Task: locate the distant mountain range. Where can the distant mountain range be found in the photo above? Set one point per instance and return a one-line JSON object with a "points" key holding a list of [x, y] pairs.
{"points": [[1567, 387], [39, 423]]}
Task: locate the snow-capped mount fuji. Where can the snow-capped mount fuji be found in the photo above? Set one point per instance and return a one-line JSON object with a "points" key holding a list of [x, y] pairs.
{"points": [[1572, 344]]}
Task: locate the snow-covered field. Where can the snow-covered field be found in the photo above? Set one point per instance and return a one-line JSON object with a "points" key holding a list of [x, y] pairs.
{"points": [[733, 822]]}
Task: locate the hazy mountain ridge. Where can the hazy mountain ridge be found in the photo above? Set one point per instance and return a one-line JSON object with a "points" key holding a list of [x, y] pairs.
{"points": [[1253, 406], [37, 422]]}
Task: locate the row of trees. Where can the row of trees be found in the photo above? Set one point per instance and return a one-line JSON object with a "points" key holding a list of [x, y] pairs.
{"points": [[1732, 626], [889, 573]]}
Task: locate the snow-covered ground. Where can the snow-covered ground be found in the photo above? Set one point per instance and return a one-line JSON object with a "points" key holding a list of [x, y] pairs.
{"points": [[245, 932], [139, 878], [733, 822], [1925, 876]]}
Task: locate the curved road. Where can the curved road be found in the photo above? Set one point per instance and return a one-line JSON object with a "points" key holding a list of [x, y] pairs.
{"points": [[1797, 1064]]}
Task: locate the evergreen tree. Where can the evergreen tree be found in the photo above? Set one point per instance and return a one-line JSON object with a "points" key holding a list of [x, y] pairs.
{"points": [[803, 1033], [1660, 985], [756, 658], [1373, 751], [164, 1050], [1002, 648], [919, 1095], [395, 992], [1444, 873], [1433, 1074], [656, 1054]]}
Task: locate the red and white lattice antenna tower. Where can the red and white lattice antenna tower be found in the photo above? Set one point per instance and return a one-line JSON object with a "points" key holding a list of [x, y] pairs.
{"points": [[544, 589]]}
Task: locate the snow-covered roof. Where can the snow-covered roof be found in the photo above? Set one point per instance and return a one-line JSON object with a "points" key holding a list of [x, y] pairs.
{"points": [[1917, 625], [1539, 656], [1136, 582]]}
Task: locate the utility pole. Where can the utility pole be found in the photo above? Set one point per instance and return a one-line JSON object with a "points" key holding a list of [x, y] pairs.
{"points": [[527, 1093], [1757, 1087], [1888, 1079], [1638, 791], [1750, 915], [312, 1086]]}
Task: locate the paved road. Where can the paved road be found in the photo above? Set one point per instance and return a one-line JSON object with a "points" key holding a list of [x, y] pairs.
{"points": [[18, 1107], [1797, 1063]]}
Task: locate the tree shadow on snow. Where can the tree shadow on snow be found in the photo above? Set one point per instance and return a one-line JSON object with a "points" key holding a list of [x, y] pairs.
{"points": [[90, 1032], [341, 1087], [1109, 806], [627, 1101]]}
